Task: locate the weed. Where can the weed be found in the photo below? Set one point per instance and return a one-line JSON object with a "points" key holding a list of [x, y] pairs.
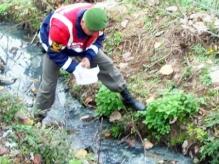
{"points": [[116, 130], [200, 52], [51, 144], [113, 41], [9, 106], [5, 160], [107, 102], [212, 119], [196, 133], [173, 105], [205, 77], [209, 151]]}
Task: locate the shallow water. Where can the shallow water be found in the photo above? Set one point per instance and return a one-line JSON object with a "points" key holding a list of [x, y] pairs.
{"points": [[24, 63]]}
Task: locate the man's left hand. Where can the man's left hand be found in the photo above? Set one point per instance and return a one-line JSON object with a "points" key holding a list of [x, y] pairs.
{"points": [[85, 62]]}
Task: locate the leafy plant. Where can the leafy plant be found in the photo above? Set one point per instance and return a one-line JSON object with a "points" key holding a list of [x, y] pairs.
{"points": [[209, 151], [107, 102], [212, 119], [205, 77], [51, 144], [9, 106], [172, 105], [196, 133], [200, 52], [116, 130], [113, 41], [5, 160]]}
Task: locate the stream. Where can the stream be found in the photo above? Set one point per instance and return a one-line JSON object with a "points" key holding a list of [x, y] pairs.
{"points": [[24, 63]]}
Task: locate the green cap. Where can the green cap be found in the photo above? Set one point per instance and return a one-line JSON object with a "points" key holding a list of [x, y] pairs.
{"points": [[95, 19]]}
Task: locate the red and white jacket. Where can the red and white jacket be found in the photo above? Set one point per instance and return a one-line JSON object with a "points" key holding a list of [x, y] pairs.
{"points": [[62, 37]]}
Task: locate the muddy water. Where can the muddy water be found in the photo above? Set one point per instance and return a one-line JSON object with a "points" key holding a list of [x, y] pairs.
{"points": [[24, 63]]}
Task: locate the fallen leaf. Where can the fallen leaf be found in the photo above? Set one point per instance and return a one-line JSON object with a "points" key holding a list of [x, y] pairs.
{"points": [[157, 45], [37, 159], [3, 150], [115, 116], [88, 101], [124, 23], [166, 70], [148, 144], [81, 154]]}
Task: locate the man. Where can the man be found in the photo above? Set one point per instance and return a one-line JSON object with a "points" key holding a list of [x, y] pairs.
{"points": [[77, 31]]}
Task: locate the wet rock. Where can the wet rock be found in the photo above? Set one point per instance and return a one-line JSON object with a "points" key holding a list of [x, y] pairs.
{"points": [[87, 118], [6, 80]]}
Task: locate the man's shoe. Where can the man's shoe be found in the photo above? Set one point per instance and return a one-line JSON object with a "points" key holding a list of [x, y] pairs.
{"points": [[131, 101]]}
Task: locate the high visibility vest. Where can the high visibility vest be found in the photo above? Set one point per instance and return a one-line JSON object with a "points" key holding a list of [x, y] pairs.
{"points": [[67, 16]]}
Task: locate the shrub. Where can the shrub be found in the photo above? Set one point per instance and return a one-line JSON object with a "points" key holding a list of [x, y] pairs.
{"points": [[209, 151], [9, 106], [172, 105], [107, 102], [51, 144]]}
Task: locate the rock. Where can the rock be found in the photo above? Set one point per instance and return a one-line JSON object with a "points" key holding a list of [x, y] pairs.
{"points": [[81, 154], [185, 147], [172, 9], [157, 45], [166, 70], [159, 33], [87, 118], [115, 116], [123, 66], [127, 56], [153, 2], [148, 144], [3, 150], [124, 23]]}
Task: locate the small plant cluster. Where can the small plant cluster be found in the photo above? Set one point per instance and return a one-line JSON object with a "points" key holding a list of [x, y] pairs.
{"points": [[173, 105], [50, 143], [209, 151], [9, 106], [107, 102]]}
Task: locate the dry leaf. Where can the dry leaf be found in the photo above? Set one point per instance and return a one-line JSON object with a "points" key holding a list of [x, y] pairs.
{"points": [[115, 116], [148, 144], [3, 150], [166, 70], [81, 154]]}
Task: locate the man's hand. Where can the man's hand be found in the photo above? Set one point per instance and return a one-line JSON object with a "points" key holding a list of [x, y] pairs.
{"points": [[85, 62]]}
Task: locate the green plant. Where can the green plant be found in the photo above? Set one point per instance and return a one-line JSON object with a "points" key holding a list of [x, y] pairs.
{"points": [[200, 52], [212, 119], [172, 105], [5, 160], [205, 77], [209, 151], [113, 41], [116, 130], [9, 106], [107, 102], [50, 143], [196, 133], [75, 161]]}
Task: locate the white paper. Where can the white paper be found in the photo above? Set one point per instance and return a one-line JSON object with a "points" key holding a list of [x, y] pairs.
{"points": [[85, 76]]}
